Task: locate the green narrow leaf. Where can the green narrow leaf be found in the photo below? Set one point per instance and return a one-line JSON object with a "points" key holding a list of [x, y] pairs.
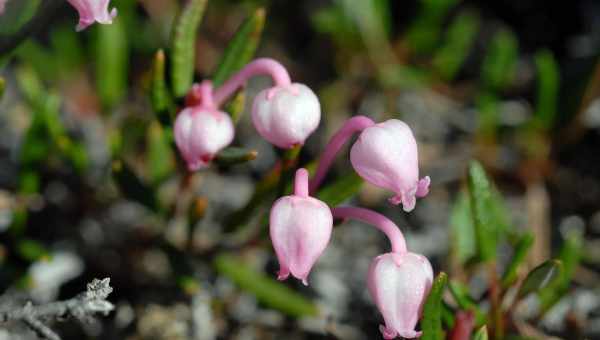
{"points": [[40, 58], [431, 324], [480, 196], [29, 182], [234, 155], [341, 190], [77, 155], [183, 46], [32, 250], [488, 113], [235, 107], [548, 75], [2, 87], [160, 160], [570, 255], [17, 14], [159, 93], [29, 84], [111, 50], [267, 290], [499, 64], [67, 50], [459, 39], [540, 277], [481, 334], [464, 245], [424, 33], [242, 47], [131, 186], [520, 254], [460, 293], [448, 318]]}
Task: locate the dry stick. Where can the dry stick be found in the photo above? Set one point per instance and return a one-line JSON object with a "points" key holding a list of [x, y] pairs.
{"points": [[82, 307]]}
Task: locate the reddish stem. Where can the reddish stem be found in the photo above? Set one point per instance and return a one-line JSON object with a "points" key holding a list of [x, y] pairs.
{"points": [[463, 326]]}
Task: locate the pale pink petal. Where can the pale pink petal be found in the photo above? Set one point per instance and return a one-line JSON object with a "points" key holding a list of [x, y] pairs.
{"points": [[91, 11], [386, 155], [399, 285], [200, 134], [286, 115], [300, 229]]}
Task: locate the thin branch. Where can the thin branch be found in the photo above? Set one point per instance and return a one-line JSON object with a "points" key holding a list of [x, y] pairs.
{"points": [[83, 307]]}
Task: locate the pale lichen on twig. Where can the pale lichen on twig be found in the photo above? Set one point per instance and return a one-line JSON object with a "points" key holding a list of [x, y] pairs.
{"points": [[83, 307]]}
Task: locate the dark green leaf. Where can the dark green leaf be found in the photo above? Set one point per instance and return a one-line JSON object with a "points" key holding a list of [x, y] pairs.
{"points": [[112, 62], [242, 47], [460, 37], [520, 254], [131, 186], [570, 256], [32, 250], [448, 318], [424, 33], [29, 182], [235, 107], [159, 93], [2, 87], [233, 155], [480, 196], [183, 46], [67, 50], [32, 53], [77, 155], [464, 244], [16, 14], [267, 290], [540, 277], [499, 64], [488, 107], [548, 75], [431, 324], [30, 84], [460, 293], [341, 190], [160, 160]]}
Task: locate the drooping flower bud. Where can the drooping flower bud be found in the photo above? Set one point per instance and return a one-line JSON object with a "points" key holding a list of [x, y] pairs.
{"points": [[300, 228], [399, 284], [91, 11], [200, 133], [286, 115], [385, 155]]}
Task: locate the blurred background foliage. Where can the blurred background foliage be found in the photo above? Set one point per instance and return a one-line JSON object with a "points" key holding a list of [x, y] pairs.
{"points": [[92, 185]]}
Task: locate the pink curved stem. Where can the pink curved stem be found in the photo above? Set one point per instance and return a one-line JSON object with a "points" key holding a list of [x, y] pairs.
{"points": [[389, 228], [301, 183], [260, 66], [351, 126]]}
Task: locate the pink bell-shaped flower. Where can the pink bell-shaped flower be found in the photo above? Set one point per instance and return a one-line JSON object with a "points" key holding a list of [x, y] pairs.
{"points": [[200, 133], [385, 155], [2, 5], [91, 11], [399, 284], [300, 228], [286, 115]]}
